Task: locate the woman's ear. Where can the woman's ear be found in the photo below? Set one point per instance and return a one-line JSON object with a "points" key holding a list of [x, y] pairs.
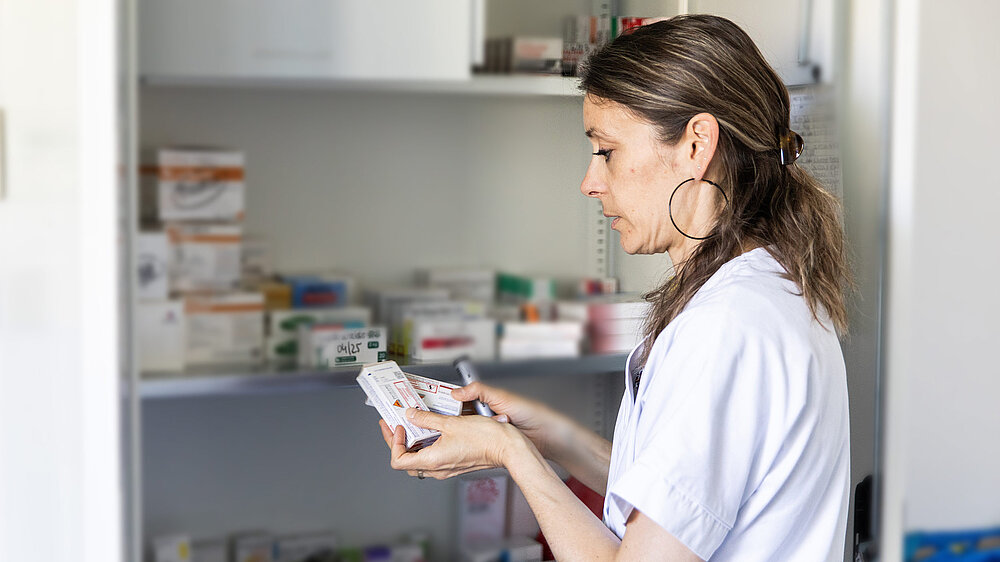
{"points": [[701, 137]]}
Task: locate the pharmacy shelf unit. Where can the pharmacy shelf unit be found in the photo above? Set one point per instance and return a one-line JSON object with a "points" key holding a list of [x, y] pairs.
{"points": [[223, 381]]}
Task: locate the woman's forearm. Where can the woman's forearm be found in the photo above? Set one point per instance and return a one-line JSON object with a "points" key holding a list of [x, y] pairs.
{"points": [[585, 454], [572, 531]]}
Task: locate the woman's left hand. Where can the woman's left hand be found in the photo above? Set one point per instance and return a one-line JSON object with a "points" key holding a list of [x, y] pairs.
{"points": [[467, 443]]}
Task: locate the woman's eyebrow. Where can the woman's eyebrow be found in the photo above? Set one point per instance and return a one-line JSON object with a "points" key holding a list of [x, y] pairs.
{"points": [[595, 132]]}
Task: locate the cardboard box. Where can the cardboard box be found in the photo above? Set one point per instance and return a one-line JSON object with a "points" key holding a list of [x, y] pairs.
{"points": [[254, 547], [482, 508], [309, 291], [210, 550], [283, 327], [565, 329], [446, 339], [510, 348], [324, 346], [383, 302], [224, 328], [152, 262], [206, 257], [160, 327], [514, 549], [199, 184], [391, 393], [175, 548], [403, 315], [306, 547], [463, 284]]}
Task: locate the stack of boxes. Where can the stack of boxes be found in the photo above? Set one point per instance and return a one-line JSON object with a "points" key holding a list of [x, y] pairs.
{"points": [[193, 206], [613, 323]]}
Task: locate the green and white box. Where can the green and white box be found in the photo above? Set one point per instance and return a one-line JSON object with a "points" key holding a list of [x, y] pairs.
{"points": [[322, 345]]}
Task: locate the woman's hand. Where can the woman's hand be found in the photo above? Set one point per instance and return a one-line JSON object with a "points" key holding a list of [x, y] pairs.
{"points": [[539, 423], [467, 443]]}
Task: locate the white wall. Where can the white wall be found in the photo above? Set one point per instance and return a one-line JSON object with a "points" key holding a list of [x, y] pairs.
{"points": [[943, 465]]}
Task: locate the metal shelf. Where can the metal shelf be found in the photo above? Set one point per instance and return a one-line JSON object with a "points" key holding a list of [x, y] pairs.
{"points": [[483, 85], [260, 379]]}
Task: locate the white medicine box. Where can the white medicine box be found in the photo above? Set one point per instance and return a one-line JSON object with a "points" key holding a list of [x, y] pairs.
{"points": [[194, 184], [224, 328], [152, 262], [205, 256], [160, 326]]}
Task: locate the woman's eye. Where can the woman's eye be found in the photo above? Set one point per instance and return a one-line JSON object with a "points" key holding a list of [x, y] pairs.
{"points": [[605, 152]]}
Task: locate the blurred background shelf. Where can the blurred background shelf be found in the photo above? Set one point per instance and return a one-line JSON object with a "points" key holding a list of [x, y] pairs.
{"points": [[262, 379], [483, 85]]}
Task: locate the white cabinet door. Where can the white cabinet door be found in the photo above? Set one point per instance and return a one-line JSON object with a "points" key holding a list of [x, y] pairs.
{"points": [[60, 472], [795, 36], [305, 39]]}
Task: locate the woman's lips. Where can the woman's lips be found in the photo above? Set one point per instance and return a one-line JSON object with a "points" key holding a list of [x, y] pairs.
{"points": [[615, 222]]}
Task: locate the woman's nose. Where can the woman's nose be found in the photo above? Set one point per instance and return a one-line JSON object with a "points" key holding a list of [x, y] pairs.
{"points": [[593, 184]]}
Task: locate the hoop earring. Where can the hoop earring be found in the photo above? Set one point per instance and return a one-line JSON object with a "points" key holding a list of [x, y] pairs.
{"points": [[670, 211]]}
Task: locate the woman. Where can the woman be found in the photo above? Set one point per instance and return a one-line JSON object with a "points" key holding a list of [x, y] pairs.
{"points": [[732, 438]]}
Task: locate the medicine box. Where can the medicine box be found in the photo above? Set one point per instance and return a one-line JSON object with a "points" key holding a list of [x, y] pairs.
{"points": [[283, 327], [205, 257], [254, 547], [152, 262], [482, 508], [391, 393], [383, 302], [160, 328], [402, 316], [199, 184], [514, 549], [435, 394], [318, 292], [306, 547], [463, 284], [517, 289], [224, 328], [324, 346], [435, 340], [174, 548]]}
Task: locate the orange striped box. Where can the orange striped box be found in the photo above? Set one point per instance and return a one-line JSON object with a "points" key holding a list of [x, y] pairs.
{"points": [[225, 328], [205, 256], [199, 184]]}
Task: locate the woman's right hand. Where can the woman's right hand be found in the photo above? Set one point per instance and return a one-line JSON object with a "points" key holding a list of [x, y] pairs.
{"points": [[538, 422]]}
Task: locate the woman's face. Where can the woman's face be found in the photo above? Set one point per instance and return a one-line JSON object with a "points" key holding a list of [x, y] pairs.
{"points": [[634, 173]]}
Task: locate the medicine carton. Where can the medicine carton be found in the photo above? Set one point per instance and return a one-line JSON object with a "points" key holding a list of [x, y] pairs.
{"points": [[306, 547], [404, 314], [199, 184], [283, 327], [152, 262], [435, 394], [464, 284], [160, 327], [324, 346], [205, 257], [391, 393], [482, 508], [514, 549], [174, 548], [517, 289], [383, 302], [224, 328], [318, 292], [431, 340], [254, 547]]}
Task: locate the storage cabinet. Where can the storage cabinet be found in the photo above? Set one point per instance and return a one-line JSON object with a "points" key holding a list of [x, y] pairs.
{"points": [[375, 168], [305, 39]]}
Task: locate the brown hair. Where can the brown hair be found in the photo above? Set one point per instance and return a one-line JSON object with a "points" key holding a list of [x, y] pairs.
{"points": [[666, 73]]}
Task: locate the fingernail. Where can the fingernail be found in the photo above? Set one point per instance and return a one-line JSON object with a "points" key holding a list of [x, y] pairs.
{"points": [[410, 412], [502, 418]]}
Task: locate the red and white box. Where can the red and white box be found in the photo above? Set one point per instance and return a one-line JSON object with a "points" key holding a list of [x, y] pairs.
{"points": [[390, 391]]}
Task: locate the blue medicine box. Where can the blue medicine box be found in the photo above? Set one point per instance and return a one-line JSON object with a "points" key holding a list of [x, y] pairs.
{"points": [[315, 292]]}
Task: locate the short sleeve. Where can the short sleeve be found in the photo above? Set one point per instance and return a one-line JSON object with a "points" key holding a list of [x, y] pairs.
{"points": [[702, 416]]}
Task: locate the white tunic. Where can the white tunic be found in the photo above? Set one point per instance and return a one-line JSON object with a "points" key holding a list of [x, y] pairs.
{"points": [[737, 442]]}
